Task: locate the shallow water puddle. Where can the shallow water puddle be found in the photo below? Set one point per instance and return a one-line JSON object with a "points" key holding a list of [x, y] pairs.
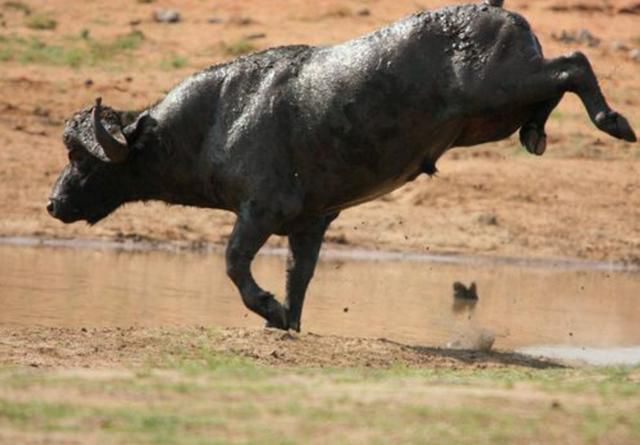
{"points": [[407, 301], [583, 354]]}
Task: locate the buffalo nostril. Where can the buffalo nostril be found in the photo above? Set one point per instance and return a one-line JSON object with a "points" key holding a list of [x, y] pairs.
{"points": [[50, 207]]}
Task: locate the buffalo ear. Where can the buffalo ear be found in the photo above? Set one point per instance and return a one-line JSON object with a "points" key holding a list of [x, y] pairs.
{"points": [[139, 132]]}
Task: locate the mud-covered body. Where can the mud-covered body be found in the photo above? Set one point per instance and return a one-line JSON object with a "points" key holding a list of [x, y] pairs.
{"points": [[343, 124], [288, 137]]}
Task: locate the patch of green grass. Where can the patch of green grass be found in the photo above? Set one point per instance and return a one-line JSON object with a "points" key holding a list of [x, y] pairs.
{"points": [[608, 383], [131, 40], [201, 357], [17, 6], [238, 48], [205, 361], [597, 424], [101, 51], [75, 52], [38, 414], [199, 396], [33, 50], [174, 62], [6, 54], [41, 21], [613, 383]]}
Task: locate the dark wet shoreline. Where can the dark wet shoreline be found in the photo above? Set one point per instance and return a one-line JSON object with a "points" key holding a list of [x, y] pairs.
{"points": [[329, 252]]}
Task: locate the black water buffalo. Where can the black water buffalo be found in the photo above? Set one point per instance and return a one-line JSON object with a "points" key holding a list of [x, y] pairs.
{"points": [[288, 137]]}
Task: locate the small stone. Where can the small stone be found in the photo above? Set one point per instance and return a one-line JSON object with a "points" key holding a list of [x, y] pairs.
{"points": [[488, 219], [363, 12], [256, 36], [618, 46], [634, 54], [585, 36], [88, 83], [215, 20], [631, 8], [564, 37], [41, 112], [166, 16], [289, 335], [241, 20], [345, 310], [135, 22]]}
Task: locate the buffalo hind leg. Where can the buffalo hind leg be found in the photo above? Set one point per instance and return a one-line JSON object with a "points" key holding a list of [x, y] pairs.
{"points": [[532, 134], [582, 80], [248, 236], [574, 73], [304, 248]]}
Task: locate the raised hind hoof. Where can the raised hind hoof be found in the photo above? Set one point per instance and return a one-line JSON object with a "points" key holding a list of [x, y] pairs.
{"points": [[616, 125], [533, 139]]}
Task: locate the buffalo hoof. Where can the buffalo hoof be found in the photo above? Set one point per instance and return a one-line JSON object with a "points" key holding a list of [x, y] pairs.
{"points": [[616, 125], [533, 139], [277, 315], [290, 326], [294, 326]]}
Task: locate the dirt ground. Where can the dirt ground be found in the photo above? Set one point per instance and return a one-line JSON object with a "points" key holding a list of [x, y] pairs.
{"points": [[135, 347], [197, 386], [582, 199]]}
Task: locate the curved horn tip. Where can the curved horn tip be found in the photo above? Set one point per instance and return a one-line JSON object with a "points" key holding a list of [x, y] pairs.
{"points": [[114, 149], [98, 101]]}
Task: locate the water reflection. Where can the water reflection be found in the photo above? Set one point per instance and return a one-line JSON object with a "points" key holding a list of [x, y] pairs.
{"points": [[405, 301]]}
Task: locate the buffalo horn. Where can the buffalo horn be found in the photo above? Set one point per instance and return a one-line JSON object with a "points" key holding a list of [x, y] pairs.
{"points": [[114, 149]]}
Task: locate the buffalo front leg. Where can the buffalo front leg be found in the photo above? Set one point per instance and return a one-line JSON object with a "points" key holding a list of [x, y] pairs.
{"points": [[304, 248], [248, 236]]}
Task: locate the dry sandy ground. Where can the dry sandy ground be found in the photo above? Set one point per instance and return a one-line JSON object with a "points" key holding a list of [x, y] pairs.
{"points": [[135, 347], [582, 199]]}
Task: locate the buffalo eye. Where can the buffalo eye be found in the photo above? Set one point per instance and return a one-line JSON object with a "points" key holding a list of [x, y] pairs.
{"points": [[75, 155]]}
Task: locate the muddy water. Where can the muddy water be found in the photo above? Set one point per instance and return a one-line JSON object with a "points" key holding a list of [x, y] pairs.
{"points": [[407, 301]]}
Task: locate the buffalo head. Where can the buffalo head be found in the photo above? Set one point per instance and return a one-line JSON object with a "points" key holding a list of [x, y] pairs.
{"points": [[101, 152]]}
